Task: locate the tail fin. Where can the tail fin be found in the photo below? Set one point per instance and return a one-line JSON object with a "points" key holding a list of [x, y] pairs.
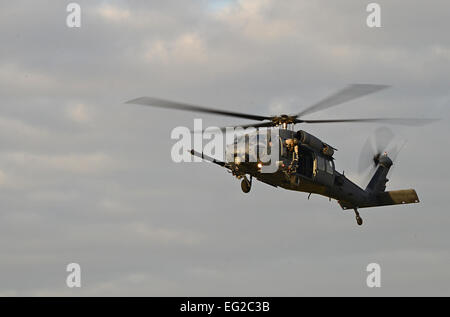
{"points": [[379, 179], [377, 186]]}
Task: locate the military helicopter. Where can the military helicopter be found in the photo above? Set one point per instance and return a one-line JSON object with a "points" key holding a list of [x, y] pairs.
{"points": [[306, 163]]}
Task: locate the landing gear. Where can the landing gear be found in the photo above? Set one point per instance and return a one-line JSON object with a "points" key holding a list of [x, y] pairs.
{"points": [[246, 184], [359, 220]]}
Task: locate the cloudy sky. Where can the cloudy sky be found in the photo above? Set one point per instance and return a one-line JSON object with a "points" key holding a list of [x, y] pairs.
{"points": [[85, 178]]}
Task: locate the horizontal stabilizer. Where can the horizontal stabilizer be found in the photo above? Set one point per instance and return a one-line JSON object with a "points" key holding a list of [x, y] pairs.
{"points": [[394, 197]]}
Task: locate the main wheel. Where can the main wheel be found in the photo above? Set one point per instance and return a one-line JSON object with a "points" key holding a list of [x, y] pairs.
{"points": [[359, 220], [245, 185]]}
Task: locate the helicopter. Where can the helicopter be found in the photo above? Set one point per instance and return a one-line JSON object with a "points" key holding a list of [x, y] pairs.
{"points": [[306, 163]]}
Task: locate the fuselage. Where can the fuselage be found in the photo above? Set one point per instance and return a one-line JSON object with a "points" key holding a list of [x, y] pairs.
{"points": [[301, 166], [306, 164]]}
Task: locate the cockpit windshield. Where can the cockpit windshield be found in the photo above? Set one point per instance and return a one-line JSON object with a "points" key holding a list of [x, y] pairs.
{"points": [[248, 144]]}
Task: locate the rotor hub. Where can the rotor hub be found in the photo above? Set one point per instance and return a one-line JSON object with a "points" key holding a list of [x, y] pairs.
{"points": [[283, 119]]}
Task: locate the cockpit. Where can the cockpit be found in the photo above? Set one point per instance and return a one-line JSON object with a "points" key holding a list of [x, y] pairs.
{"points": [[248, 145]]}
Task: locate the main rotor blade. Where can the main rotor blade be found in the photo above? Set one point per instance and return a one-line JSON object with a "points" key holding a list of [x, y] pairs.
{"points": [[349, 93], [161, 103], [399, 121], [244, 126]]}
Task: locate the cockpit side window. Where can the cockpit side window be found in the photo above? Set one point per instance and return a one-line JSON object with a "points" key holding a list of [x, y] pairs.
{"points": [[320, 163], [329, 166]]}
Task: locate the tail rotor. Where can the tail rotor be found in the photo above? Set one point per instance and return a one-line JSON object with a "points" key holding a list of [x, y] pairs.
{"points": [[382, 142]]}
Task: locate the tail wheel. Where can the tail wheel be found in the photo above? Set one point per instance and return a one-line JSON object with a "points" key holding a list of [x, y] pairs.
{"points": [[245, 185], [359, 220]]}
